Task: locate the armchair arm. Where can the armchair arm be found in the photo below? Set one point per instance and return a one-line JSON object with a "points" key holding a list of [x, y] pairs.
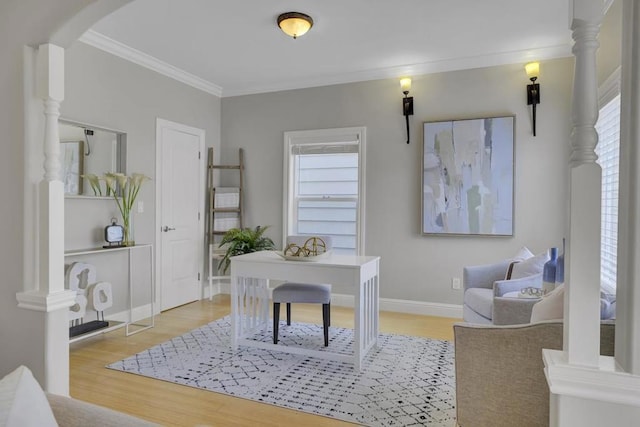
{"points": [[483, 276], [501, 287], [512, 311], [500, 374]]}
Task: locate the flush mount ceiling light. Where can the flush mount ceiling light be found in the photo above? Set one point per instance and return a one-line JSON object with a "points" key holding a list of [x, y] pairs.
{"points": [[294, 24]]}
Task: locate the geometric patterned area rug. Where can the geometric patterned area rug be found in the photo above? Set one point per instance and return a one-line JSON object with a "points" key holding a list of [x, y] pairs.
{"points": [[405, 381]]}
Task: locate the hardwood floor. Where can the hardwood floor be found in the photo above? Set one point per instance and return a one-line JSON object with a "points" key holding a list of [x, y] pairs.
{"points": [[177, 405]]}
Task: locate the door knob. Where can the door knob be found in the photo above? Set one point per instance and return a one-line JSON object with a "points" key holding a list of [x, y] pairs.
{"points": [[167, 228]]}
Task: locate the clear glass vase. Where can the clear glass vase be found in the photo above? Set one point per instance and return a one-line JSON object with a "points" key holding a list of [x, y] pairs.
{"points": [[127, 224]]}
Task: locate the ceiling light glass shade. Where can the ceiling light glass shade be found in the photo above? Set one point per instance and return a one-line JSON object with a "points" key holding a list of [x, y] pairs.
{"points": [[405, 84], [295, 24], [532, 69]]}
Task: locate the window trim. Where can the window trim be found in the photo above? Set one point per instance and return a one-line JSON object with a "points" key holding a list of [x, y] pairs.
{"points": [[609, 89], [293, 138]]}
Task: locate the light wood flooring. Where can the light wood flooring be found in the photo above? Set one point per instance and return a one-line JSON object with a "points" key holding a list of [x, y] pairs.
{"points": [[176, 405]]}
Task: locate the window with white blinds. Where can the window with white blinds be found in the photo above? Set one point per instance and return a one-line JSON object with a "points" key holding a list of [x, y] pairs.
{"points": [[324, 186], [608, 151]]}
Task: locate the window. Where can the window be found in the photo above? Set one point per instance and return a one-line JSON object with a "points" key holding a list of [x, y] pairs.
{"points": [[608, 151], [324, 186]]}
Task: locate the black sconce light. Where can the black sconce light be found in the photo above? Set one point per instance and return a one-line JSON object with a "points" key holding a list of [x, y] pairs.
{"points": [[407, 101], [533, 89]]}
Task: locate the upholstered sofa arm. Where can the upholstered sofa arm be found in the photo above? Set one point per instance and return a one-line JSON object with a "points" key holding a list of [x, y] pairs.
{"points": [[501, 287], [76, 413], [483, 276]]}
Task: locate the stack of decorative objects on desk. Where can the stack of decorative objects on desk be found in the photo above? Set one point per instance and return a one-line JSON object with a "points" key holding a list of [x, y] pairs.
{"points": [[305, 248]]}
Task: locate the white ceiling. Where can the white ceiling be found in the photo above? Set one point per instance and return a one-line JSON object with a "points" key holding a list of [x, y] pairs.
{"points": [[236, 47]]}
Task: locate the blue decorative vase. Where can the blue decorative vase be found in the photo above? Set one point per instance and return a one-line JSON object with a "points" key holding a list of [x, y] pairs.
{"points": [[560, 266], [549, 271]]}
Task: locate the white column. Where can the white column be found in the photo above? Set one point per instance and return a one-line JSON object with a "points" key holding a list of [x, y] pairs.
{"points": [[587, 389], [627, 352], [49, 295], [582, 280]]}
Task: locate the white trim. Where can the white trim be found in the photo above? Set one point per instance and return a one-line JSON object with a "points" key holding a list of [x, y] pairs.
{"points": [[405, 306], [607, 5], [102, 42], [492, 60], [138, 313], [609, 89], [606, 383], [292, 138], [114, 47], [200, 133], [422, 308], [39, 301]]}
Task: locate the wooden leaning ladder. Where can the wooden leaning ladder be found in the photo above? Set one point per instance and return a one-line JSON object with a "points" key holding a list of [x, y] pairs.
{"points": [[212, 210]]}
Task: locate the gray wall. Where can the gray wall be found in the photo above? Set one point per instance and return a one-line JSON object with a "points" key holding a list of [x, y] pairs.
{"points": [[106, 91], [112, 93], [414, 267]]}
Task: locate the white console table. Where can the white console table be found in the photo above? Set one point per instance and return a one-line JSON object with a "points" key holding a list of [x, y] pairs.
{"points": [[129, 322]]}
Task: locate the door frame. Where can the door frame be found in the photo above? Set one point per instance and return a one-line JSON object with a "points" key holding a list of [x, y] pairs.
{"points": [[200, 133]]}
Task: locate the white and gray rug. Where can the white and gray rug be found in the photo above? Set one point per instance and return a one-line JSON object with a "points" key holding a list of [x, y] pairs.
{"points": [[406, 381]]}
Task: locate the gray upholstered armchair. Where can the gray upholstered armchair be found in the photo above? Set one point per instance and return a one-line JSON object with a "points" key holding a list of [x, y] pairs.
{"points": [[484, 289], [500, 378]]}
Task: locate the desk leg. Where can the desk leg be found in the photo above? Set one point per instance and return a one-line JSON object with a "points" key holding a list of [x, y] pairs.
{"points": [[249, 307], [236, 317], [264, 305], [376, 309], [358, 313], [210, 274], [367, 312]]}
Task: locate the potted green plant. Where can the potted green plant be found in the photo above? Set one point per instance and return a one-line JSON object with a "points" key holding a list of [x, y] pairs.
{"points": [[240, 241]]}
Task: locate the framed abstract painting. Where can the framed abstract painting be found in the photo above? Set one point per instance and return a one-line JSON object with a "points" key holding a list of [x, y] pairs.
{"points": [[467, 177]]}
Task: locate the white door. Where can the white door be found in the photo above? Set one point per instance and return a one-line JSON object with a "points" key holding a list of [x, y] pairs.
{"points": [[181, 201]]}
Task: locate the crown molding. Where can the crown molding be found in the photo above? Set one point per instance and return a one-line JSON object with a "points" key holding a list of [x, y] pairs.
{"points": [[454, 64], [114, 47], [607, 5], [107, 44]]}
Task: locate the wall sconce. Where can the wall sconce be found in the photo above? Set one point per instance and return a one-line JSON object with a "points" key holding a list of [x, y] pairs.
{"points": [[407, 101], [533, 89]]}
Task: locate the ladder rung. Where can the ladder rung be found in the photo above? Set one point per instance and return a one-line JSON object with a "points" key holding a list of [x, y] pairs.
{"points": [[224, 166], [226, 210]]}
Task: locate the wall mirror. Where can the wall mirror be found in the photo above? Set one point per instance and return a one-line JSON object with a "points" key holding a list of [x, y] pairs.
{"points": [[85, 150]]}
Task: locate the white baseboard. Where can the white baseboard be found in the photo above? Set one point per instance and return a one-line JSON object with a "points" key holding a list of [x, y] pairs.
{"points": [[386, 304], [138, 313], [404, 306]]}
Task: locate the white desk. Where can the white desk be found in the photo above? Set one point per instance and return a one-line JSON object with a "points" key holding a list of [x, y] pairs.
{"points": [[250, 274]]}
